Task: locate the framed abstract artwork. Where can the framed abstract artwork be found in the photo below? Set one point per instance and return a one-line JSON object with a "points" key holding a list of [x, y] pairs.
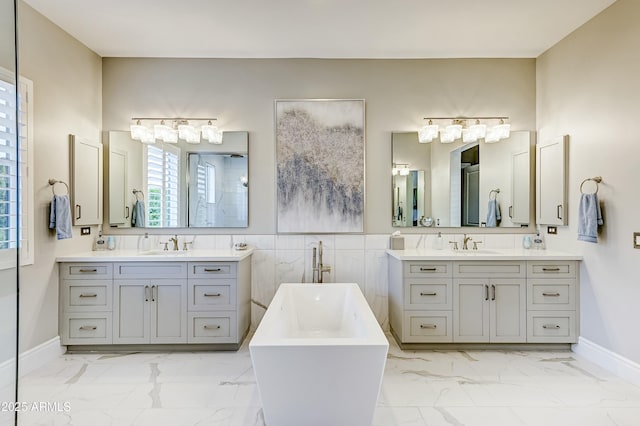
{"points": [[320, 151]]}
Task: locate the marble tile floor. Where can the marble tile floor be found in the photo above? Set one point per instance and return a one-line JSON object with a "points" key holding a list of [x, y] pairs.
{"points": [[419, 388]]}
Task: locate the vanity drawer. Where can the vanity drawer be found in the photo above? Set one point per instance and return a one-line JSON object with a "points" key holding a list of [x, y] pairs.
{"points": [[489, 269], [432, 293], [552, 268], [86, 328], [551, 294], [212, 328], [212, 295], [87, 295], [86, 271], [413, 269], [212, 269], [551, 327], [428, 326], [138, 270]]}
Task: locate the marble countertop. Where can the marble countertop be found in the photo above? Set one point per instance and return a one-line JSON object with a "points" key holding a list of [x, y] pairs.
{"points": [[195, 255], [481, 254]]}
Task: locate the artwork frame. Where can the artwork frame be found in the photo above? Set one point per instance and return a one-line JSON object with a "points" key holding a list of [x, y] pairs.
{"points": [[320, 165]]}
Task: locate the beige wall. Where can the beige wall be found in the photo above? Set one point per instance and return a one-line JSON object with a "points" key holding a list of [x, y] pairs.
{"points": [[588, 88], [241, 93], [67, 87]]}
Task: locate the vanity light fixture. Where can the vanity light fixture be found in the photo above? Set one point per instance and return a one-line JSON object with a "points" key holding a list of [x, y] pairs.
{"points": [[428, 133], [459, 128], [169, 130], [400, 169], [211, 133]]}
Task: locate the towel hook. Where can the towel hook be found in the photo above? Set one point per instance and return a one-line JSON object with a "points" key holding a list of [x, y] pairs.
{"points": [[495, 192], [596, 179], [53, 182], [137, 192]]}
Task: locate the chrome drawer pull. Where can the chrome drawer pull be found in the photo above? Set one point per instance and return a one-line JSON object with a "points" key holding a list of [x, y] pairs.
{"points": [[428, 269], [88, 327], [87, 270], [429, 294], [551, 269], [212, 269], [551, 294], [88, 295], [429, 326], [551, 326], [212, 295], [211, 327]]}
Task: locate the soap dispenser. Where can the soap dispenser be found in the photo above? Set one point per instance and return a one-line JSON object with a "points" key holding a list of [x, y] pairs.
{"points": [[145, 244], [438, 243], [100, 243]]}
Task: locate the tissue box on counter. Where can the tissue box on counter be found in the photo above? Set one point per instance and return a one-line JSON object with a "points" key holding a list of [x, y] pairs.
{"points": [[397, 242]]}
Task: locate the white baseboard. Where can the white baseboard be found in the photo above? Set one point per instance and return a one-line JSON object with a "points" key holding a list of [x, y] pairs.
{"points": [[31, 360], [617, 364]]}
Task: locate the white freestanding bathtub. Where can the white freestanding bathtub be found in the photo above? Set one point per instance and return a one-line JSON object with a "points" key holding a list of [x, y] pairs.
{"points": [[318, 356]]}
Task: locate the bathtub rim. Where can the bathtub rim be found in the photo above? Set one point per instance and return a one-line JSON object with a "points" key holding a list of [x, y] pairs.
{"points": [[375, 337]]}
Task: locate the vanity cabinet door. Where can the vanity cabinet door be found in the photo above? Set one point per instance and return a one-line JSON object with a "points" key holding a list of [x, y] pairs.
{"points": [[471, 310], [508, 310], [551, 181], [168, 311], [86, 163], [489, 310], [131, 311], [150, 311]]}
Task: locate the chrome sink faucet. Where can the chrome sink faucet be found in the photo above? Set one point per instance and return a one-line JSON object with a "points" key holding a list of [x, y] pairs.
{"points": [[318, 267], [174, 240]]}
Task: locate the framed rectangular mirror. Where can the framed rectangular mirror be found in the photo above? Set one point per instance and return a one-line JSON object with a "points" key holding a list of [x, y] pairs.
{"points": [[459, 185], [177, 185]]}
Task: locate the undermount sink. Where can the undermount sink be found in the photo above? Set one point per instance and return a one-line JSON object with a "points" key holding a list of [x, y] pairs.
{"points": [[160, 252], [478, 251]]}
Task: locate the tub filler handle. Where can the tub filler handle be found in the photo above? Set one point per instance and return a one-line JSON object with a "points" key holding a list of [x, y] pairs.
{"points": [[428, 326]]}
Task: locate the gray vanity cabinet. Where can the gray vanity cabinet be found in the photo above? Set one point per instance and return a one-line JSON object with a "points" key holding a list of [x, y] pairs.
{"points": [[85, 303], [489, 310], [149, 309], [552, 302], [483, 301], [155, 302], [489, 302], [420, 300]]}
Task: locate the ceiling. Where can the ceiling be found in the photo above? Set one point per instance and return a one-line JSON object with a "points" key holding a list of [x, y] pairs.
{"points": [[320, 28]]}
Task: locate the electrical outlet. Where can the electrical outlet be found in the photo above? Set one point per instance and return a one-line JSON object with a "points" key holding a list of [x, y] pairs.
{"points": [[85, 230], [636, 240], [552, 230]]}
